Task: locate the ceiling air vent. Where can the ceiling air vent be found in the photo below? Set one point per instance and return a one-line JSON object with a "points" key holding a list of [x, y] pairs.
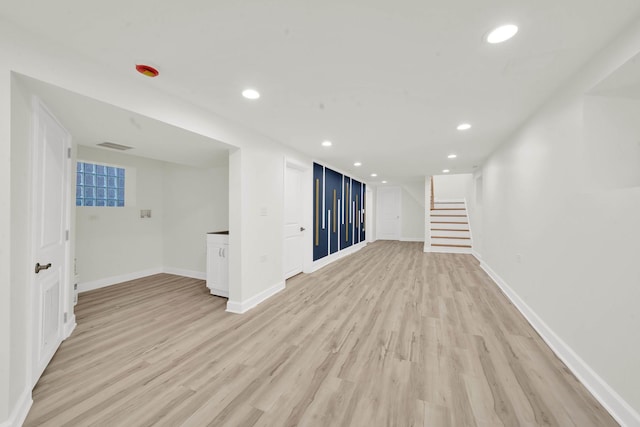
{"points": [[114, 146]]}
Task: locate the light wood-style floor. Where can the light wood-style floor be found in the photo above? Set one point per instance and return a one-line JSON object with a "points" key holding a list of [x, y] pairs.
{"points": [[389, 336]]}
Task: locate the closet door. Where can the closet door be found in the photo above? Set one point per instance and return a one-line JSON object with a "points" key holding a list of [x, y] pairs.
{"points": [[356, 206], [333, 199], [346, 228], [320, 240]]}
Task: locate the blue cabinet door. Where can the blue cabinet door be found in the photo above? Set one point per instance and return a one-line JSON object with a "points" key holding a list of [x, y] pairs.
{"points": [[346, 228], [356, 207], [333, 199], [320, 247]]}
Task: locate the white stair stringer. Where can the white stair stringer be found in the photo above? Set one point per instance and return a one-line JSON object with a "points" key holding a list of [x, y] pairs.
{"points": [[449, 228]]}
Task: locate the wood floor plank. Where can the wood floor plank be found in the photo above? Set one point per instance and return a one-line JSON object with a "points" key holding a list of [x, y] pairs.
{"points": [[389, 336]]}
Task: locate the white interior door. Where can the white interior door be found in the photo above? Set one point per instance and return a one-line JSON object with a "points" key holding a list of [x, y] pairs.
{"points": [[51, 177], [388, 213], [293, 220]]}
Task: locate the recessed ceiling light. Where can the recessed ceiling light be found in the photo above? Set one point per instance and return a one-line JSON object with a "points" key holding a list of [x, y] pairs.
{"points": [[464, 126], [327, 143], [374, 175], [445, 171], [251, 94], [384, 182], [452, 156], [357, 164], [502, 33]]}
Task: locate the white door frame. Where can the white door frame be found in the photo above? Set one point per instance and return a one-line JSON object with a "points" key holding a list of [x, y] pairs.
{"points": [[306, 211], [65, 306]]}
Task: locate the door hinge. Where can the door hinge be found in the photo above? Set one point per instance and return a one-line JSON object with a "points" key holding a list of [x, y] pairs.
{"points": [[68, 153], [67, 235]]}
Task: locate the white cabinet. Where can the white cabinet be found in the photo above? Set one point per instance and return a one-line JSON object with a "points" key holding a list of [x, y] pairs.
{"points": [[218, 263]]}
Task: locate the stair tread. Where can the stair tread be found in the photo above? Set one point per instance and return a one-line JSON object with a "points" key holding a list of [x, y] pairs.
{"points": [[450, 237], [449, 229], [451, 246], [451, 216], [448, 209], [448, 203]]}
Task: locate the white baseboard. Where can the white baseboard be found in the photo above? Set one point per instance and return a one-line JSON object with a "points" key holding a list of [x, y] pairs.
{"points": [[608, 398], [323, 262], [20, 411], [69, 327], [412, 239], [476, 255], [114, 280], [240, 307], [186, 273], [444, 250]]}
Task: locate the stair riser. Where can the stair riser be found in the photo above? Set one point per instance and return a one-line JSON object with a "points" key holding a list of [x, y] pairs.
{"points": [[454, 226], [439, 233], [435, 240], [448, 205], [448, 212], [449, 219]]}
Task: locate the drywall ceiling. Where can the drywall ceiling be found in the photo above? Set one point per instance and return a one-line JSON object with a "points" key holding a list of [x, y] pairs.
{"points": [[386, 81], [91, 122], [622, 83]]}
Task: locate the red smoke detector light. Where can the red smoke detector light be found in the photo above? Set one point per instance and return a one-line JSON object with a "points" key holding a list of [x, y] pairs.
{"points": [[147, 70]]}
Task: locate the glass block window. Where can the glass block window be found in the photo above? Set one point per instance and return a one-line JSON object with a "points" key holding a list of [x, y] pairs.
{"points": [[99, 185]]}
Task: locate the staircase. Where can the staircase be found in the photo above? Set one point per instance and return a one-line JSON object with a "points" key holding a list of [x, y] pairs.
{"points": [[450, 227]]}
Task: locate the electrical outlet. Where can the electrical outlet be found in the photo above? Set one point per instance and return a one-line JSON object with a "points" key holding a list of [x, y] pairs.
{"points": [[263, 258], [519, 258]]}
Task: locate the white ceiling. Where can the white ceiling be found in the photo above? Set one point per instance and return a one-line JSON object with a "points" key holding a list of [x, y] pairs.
{"points": [[386, 81], [622, 83], [91, 122]]}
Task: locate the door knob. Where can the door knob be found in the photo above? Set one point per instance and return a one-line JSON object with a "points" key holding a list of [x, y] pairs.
{"points": [[42, 267], [302, 228]]}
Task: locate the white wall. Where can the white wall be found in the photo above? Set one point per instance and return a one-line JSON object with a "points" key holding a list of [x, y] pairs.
{"points": [[261, 193], [186, 203], [413, 208], [454, 186], [408, 199], [615, 164], [568, 249], [7, 399], [370, 214], [20, 238], [112, 242], [196, 201]]}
